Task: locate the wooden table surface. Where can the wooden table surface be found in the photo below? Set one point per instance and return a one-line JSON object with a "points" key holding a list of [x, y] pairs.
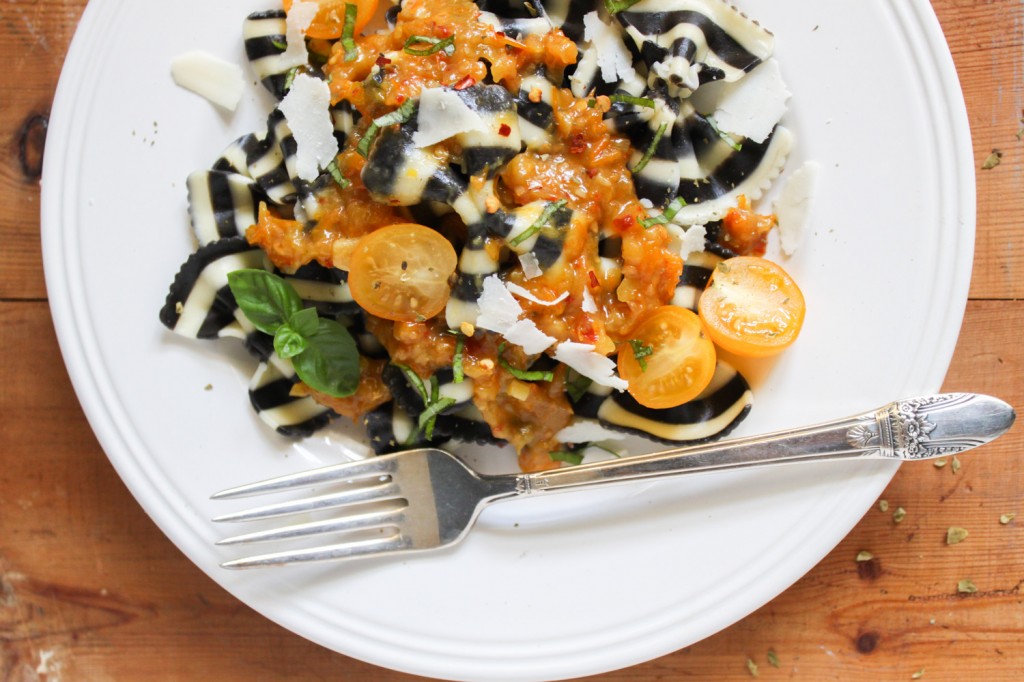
{"points": [[91, 590]]}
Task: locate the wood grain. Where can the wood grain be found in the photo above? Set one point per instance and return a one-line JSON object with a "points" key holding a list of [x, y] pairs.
{"points": [[91, 590]]}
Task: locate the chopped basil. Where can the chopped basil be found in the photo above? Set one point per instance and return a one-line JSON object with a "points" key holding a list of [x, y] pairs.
{"points": [[522, 374], [348, 30], [433, 403], [646, 158], [568, 456], [290, 78], [400, 115], [955, 464], [723, 135], [616, 6], [576, 385], [335, 172], [322, 351], [773, 658], [955, 535], [457, 369], [641, 351], [436, 45], [415, 382], [279, 44], [635, 101], [752, 668], [428, 417], [545, 217], [666, 215]]}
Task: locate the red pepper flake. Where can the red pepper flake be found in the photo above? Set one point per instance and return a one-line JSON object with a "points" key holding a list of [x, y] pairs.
{"points": [[382, 61], [592, 172], [464, 83], [500, 34], [577, 143], [595, 283], [399, 99], [505, 130], [624, 222]]}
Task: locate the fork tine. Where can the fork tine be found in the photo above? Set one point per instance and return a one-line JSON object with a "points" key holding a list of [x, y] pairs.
{"points": [[362, 468], [373, 519], [383, 490], [345, 550]]}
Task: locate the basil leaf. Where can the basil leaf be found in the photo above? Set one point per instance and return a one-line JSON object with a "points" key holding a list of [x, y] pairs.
{"points": [[288, 342], [330, 363], [266, 299], [568, 456], [348, 30], [305, 321]]}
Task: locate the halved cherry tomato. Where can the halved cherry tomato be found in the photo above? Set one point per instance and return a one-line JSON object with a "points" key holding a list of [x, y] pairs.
{"points": [[752, 307], [400, 272], [669, 360], [330, 18]]}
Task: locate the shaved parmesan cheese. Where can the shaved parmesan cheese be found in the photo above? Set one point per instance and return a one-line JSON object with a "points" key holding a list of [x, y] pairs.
{"points": [[523, 292], [443, 114], [530, 265], [587, 431], [499, 309], [526, 334], [794, 204], [300, 16], [685, 241], [208, 76], [612, 56], [585, 359], [749, 107], [307, 109], [588, 305]]}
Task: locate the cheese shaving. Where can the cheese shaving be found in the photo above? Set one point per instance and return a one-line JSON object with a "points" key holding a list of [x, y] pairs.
{"points": [[584, 358], [442, 115], [300, 16], [500, 312], [530, 265], [307, 109], [612, 56], [527, 335], [794, 204], [523, 292], [499, 309], [219, 81], [685, 241], [588, 305], [749, 107]]}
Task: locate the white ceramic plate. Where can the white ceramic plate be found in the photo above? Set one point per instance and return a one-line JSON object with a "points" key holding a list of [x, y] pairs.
{"points": [[542, 589]]}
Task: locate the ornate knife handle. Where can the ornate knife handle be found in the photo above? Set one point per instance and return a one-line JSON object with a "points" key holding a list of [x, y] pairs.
{"points": [[918, 428]]}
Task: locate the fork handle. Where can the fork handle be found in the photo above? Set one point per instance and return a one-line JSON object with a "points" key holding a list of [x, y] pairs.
{"points": [[918, 428]]}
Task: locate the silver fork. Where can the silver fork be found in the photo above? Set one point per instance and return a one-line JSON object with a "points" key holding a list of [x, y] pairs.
{"points": [[425, 499]]}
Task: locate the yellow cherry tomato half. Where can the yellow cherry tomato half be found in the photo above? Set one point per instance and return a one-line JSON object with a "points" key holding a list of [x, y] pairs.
{"points": [[669, 360], [751, 307], [330, 18], [401, 272]]}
